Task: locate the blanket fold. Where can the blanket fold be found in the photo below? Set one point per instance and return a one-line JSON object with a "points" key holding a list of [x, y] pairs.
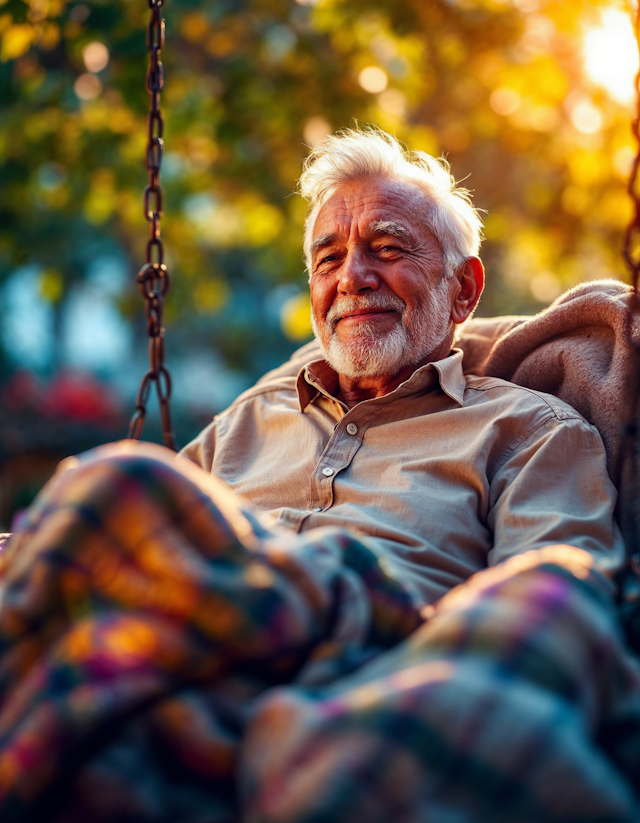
{"points": [[577, 349], [164, 657]]}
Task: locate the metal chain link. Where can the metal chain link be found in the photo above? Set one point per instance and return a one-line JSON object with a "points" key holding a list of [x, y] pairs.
{"points": [[153, 277], [631, 247], [631, 253], [626, 469]]}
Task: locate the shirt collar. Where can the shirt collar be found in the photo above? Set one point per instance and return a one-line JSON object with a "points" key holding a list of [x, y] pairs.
{"points": [[318, 377]]}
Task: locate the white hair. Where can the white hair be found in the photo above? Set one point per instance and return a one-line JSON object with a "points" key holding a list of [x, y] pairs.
{"points": [[352, 154]]}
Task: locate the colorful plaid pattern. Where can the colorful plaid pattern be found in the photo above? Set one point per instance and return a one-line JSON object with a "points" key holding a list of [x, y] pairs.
{"points": [[164, 657], [514, 703]]}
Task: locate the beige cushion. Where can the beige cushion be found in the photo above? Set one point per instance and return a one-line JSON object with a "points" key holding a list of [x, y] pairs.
{"points": [[577, 349]]}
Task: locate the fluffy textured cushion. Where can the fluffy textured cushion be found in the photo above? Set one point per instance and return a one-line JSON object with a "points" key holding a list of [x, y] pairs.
{"points": [[577, 349]]}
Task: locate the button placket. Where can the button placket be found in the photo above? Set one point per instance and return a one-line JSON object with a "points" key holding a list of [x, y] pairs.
{"points": [[339, 452]]}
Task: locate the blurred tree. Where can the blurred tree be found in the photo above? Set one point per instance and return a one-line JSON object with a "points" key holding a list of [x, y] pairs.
{"points": [[518, 94]]}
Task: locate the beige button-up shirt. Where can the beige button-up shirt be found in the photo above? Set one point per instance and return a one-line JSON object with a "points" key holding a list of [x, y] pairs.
{"points": [[442, 476]]}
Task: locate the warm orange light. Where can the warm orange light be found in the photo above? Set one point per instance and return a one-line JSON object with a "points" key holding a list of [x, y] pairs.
{"points": [[611, 55], [373, 79], [95, 56]]}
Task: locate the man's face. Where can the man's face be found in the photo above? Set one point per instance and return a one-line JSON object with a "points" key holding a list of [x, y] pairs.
{"points": [[379, 298]]}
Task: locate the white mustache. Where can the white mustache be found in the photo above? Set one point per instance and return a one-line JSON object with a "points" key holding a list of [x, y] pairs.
{"points": [[345, 305]]}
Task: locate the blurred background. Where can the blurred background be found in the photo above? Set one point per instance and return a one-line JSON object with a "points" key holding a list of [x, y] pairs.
{"points": [[531, 102]]}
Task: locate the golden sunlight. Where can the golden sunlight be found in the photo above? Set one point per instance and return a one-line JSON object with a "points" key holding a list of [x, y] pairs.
{"points": [[611, 55]]}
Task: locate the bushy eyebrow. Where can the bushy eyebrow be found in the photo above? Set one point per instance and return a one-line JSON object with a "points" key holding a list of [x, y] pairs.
{"points": [[390, 227], [322, 242]]}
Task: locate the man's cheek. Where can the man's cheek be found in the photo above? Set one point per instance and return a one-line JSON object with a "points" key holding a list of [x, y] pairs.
{"points": [[319, 310]]}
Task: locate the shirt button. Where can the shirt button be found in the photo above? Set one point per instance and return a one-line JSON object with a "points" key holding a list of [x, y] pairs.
{"points": [[352, 428], [327, 472]]}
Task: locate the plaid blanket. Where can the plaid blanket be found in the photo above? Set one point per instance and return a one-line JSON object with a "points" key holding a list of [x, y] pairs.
{"points": [[164, 657]]}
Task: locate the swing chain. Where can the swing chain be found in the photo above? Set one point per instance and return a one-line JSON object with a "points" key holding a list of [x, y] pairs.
{"points": [[153, 277], [631, 246], [626, 474]]}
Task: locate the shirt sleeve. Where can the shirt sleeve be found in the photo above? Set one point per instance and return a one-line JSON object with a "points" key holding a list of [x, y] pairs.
{"points": [[554, 488], [201, 449]]}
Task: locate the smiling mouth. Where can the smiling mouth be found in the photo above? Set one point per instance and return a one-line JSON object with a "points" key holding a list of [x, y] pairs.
{"points": [[363, 314], [360, 309]]}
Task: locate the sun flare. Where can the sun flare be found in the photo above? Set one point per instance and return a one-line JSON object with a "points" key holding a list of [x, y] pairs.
{"points": [[611, 55]]}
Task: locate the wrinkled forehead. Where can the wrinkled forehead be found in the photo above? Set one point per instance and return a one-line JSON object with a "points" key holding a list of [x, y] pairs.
{"points": [[364, 205]]}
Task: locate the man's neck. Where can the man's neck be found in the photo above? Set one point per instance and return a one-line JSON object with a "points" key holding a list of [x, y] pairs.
{"points": [[353, 390]]}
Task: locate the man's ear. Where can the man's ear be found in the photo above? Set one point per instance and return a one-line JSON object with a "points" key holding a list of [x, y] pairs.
{"points": [[470, 277]]}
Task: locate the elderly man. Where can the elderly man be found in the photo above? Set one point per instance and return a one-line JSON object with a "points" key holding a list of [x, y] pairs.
{"points": [[380, 430], [173, 650]]}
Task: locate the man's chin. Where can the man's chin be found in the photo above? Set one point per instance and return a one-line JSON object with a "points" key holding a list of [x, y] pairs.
{"points": [[364, 357]]}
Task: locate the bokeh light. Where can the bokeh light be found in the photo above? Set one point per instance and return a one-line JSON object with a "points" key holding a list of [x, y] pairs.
{"points": [[373, 79], [504, 101], [315, 130], [611, 55], [393, 102], [79, 13], [586, 117], [95, 56], [622, 160], [545, 287], [87, 87]]}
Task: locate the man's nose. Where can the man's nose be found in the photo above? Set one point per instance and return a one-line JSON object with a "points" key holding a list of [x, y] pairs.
{"points": [[357, 273]]}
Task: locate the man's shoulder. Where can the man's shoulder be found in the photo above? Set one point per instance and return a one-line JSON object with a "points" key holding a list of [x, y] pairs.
{"points": [[516, 399]]}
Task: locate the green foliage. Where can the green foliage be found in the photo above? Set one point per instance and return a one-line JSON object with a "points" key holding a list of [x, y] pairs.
{"points": [[499, 87]]}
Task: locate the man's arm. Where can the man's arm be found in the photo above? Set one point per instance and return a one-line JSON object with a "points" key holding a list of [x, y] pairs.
{"points": [[202, 448], [554, 488]]}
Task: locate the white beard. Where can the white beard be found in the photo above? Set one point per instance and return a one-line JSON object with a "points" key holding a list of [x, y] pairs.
{"points": [[366, 353]]}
